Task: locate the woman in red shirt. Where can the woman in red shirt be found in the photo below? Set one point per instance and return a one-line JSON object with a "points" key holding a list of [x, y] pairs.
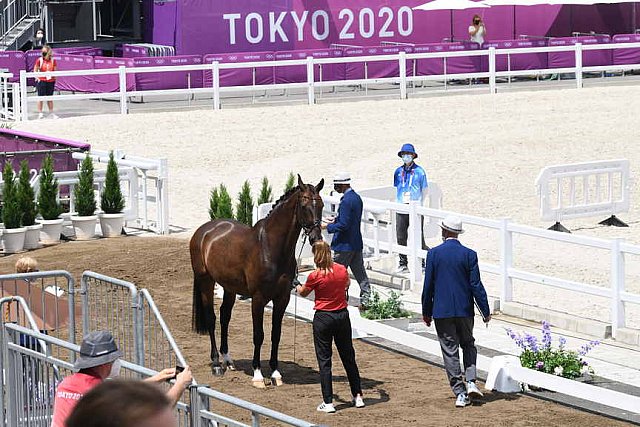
{"points": [[331, 322], [46, 84]]}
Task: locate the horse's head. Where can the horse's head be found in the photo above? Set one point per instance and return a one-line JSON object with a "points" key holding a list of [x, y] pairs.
{"points": [[310, 207]]}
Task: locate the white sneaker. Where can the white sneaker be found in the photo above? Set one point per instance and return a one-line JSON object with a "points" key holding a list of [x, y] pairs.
{"points": [[40, 116], [326, 407], [358, 402], [53, 116], [473, 390], [462, 400], [403, 269]]}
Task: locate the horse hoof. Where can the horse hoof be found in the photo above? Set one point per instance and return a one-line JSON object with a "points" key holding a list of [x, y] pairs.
{"points": [[231, 366], [259, 384], [217, 371], [276, 381]]}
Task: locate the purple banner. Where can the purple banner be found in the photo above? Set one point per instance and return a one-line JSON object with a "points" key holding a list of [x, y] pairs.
{"points": [[129, 51], [241, 76], [111, 82], [74, 83], [168, 79], [205, 26], [14, 61], [626, 56], [522, 61], [589, 58], [298, 73], [377, 69], [466, 64], [80, 50]]}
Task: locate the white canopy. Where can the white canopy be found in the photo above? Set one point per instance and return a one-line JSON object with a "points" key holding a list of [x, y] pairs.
{"points": [[450, 5]]}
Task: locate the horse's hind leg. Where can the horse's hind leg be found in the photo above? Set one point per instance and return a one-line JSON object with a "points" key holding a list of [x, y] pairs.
{"points": [[226, 308], [204, 320]]}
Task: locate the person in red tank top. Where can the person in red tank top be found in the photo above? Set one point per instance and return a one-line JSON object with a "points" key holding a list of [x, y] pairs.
{"points": [[330, 282], [45, 85]]}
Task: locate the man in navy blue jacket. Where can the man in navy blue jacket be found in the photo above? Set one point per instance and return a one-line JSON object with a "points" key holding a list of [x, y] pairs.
{"points": [[451, 284], [347, 238]]}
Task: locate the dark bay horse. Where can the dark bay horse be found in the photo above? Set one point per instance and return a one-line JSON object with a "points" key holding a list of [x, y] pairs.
{"points": [[258, 261]]}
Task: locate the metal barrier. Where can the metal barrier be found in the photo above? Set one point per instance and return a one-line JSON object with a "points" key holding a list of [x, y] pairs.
{"points": [[577, 190], [50, 296]]}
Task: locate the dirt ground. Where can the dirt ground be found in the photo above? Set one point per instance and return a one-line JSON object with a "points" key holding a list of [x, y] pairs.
{"points": [[397, 389]]}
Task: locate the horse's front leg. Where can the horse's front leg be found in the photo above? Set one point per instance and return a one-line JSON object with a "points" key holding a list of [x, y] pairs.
{"points": [[257, 314], [279, 307]]}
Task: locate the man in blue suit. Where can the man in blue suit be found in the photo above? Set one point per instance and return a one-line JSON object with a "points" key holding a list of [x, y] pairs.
{"points": [[451, 284], [347, 238]]}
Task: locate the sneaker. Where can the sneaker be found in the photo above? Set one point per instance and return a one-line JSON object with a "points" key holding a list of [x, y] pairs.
{"points": [[403, 269], [462, 400], [326, 407], [54, 116], [358, 402], [40, 116], [473, 390]]}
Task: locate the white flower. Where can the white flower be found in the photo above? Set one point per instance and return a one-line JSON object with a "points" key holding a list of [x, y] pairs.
{"points": [[584, 370], [558, 370]]}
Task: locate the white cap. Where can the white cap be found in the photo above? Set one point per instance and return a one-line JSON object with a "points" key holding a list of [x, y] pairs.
{"points": [[342, 178], [453, 224]]}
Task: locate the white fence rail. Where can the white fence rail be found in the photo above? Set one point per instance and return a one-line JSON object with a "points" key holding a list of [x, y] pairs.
{"points": [[584, 189], [311, 85]]}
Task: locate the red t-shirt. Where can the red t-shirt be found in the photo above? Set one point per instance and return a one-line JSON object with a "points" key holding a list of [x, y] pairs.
{"points": [[46, 65], [329, 287], [69, 391]]}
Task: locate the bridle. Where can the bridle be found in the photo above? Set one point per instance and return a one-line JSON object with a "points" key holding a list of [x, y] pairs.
{"points": [[308, 228]]}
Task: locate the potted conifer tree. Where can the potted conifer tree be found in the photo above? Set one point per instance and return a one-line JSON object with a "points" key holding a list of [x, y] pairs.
{"points": [[244, 208], [48, 204], [112, 202], [13, 233], [27, 202], [84, 223]]}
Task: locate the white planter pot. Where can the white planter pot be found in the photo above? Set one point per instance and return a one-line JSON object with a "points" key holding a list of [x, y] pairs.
{"points": [[51, 230], [13, 239], [111, 224], [84, 226], [32, 236]]}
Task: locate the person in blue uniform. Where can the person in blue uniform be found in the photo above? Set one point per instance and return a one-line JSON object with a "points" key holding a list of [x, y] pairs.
{"points": [[411, 184]]}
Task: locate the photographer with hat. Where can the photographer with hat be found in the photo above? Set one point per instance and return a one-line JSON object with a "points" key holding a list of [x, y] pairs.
{"points": [[98, 360], [411, 184], [451, 284], [347, 237]]}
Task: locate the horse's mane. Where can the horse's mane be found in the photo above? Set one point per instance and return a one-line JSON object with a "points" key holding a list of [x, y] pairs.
{"points": [[282, 198]]}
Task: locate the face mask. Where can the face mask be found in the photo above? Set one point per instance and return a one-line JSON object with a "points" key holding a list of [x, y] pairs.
{"points": [[407, 158], [39, 35], [44, 54], [115, 369]]}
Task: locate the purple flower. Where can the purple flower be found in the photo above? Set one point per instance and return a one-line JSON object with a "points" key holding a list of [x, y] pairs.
{"points": [[588, 347], [539, 365], [546, 335], [532, 342], [563, 341], [516, 338]]}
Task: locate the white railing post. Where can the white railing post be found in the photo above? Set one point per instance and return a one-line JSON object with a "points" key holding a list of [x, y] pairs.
{"points": [[403, 75], [492, 69], [414, 242], [16, 101], [506, 262], [122, 78], [310, 77], [23, 96], [163, 192], [215, 74], [617, 287], [578, 65]]}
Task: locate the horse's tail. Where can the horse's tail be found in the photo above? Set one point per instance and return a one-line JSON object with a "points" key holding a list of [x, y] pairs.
{"points": [[202, 316]]}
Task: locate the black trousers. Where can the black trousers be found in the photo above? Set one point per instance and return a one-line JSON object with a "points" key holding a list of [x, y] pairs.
{"points": [[327, 327], [354, 261], [402, 233], [453, 333]]}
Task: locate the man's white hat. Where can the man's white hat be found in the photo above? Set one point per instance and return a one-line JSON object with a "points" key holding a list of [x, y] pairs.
{"points": [[453, 224], [342, 178]]}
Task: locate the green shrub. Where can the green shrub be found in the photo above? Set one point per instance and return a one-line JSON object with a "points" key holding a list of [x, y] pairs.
{"points": [[85, 197], [11, 213], [111, 199], [48, 194], [244, 208], [214, 202], [225, 206], [542, 356], [389, 309], [291, 182], [26, 195], [266, 192]]}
